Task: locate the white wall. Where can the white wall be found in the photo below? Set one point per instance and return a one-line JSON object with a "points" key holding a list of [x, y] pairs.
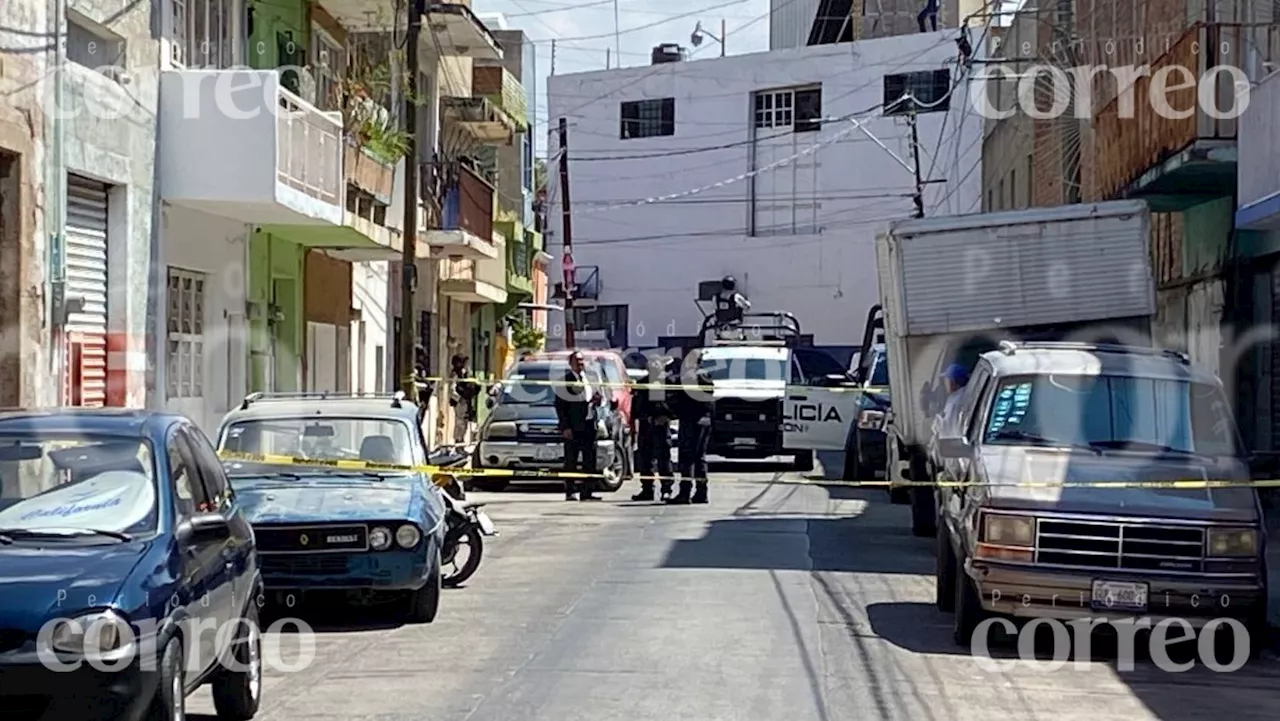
{"points": [[369, 296], [653, 256], [209, 244]]}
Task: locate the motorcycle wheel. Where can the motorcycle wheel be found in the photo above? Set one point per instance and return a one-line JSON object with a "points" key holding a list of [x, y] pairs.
{"points": [[475, 547]]}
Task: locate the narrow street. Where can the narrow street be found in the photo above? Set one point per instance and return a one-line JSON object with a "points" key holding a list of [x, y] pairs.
{"points": [[782, 599]]}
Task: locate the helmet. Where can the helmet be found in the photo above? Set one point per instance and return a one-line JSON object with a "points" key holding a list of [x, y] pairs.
{"points": [[728, 283]]}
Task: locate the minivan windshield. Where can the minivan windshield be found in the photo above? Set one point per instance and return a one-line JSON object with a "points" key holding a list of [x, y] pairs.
{"points": [[1111, 411], [76, 485], [753, 369]]}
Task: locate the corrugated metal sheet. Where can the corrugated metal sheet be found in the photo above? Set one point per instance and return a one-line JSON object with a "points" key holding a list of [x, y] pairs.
{"points": [[790, 22], [87, 279], [1034, 267]]}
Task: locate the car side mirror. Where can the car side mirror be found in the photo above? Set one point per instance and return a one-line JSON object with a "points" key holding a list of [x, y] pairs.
{"points": [[204, 528], [490, 402], [955, 447]]}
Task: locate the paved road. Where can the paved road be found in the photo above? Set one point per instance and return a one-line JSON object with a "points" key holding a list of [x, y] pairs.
{"points": [[779, 600]]}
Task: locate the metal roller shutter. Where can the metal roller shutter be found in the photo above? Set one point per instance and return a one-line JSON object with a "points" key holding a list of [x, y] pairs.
{"points": [[87, 278]]}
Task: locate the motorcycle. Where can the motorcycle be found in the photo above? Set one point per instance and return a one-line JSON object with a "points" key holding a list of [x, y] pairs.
{"points": [[466, 524]]}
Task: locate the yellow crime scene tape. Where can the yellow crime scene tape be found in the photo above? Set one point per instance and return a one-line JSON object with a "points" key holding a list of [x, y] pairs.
{"points": [[358, 465], [633, 386]]}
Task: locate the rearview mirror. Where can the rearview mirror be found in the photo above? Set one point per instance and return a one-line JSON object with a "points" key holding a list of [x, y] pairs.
{"points": [[204, 528], [18, 452], [955, 447], [317, 431]]}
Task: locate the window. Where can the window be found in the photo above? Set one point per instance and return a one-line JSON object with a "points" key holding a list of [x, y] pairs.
{"points": [[1013, 188], [210, 469], [1002, 196], [1112, 411], [379, 366], [526, 168], [92, 45], [990, 205], [648, 118], [185, 334], [798, 109], [202, 32], [929, 91], [329, 63], [188, 492]]}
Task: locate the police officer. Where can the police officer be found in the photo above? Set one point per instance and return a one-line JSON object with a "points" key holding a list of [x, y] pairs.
{"points": [[652, 419], [692, 404]]}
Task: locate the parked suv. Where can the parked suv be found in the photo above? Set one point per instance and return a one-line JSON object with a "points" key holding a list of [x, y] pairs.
{"points": [[522, 431], [130, 570], [1043, 413]]}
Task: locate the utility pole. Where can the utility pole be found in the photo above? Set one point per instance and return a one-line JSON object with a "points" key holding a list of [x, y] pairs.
{"points": [[553, 56], [566, 232], [408, 262], [915, 163], [722, 37], [617, 33]]}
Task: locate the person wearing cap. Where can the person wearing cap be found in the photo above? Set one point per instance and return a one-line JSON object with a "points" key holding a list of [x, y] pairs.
{"points": [[576, 403], [652, 418], [954, 378]]}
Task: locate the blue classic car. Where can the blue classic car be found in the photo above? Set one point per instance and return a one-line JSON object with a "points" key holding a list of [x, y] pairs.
{"points": [[327, 529], [123, 556]]}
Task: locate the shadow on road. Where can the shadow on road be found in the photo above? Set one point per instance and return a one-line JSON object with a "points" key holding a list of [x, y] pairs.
{"points": [[327, 614]]}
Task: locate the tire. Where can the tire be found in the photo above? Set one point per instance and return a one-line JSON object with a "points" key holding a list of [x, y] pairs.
{"points": [[237, 691], [968, 607], [804, 460], [944, 572], [852, 469], [924, 515], [613, 475], [900, 496], [424, 603], [494, 486], [170, 701], [475, 540]]}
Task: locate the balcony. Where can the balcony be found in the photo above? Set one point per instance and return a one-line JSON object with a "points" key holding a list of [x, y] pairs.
{"points": [[519, 258], [474, 280], [497, 85], [467, 224], [448, 29], [1259, 173], [1174, 162], [234, 143], [478, 120]]}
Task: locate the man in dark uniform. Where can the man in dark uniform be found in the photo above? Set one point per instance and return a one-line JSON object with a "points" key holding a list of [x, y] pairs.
{"points": [[652, 419], [693, 406], [576, 403]]}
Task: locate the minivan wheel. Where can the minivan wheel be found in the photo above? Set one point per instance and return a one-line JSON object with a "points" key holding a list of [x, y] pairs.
{"points": [[170, 701], [237, 691], [945, 572], [968, 607]]}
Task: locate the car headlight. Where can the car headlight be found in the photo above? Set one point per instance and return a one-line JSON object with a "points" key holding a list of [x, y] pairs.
{"points": [[1008, 530], [500, 430], [1233, 542], [380, 538], [871, 420], [102, 634], [408, 535]]}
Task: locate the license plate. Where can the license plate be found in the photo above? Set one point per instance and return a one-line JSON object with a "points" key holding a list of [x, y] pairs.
{"points": [[1120, 595], [744, 441], [486, 525], [547, 453]]}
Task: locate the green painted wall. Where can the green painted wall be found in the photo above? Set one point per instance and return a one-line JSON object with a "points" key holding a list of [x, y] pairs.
{"points": [[279, 35], [1207, 236], [275, 283]]}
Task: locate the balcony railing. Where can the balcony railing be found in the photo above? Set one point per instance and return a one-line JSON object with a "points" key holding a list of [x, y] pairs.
{"points": [[468, 205], [302, 128], [457, 269], [500, 87]]}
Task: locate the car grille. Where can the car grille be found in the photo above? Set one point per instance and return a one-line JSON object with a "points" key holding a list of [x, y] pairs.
{"points": [[1125, 546], [304, 565], [538, 433], [738, 410], [312, 539]]}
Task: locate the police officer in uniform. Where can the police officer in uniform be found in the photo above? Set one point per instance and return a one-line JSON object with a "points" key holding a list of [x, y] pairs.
{"points": [[652, 419], [692, 404]]}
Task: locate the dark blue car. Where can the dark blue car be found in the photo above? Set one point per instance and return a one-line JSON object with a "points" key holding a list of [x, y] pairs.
{"points": [[123, 555], [371, 534]]}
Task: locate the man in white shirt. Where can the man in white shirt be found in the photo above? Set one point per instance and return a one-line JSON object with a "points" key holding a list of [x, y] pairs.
{"points": [[955, 378]]}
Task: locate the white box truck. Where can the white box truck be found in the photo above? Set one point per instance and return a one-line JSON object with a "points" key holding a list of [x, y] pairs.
{"points": [[953, 287]]}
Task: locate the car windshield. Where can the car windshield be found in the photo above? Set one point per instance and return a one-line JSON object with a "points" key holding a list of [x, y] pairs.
{"points": [[77, 485], [1113, 411], [376, 440], [754, 369], [528, 385]]}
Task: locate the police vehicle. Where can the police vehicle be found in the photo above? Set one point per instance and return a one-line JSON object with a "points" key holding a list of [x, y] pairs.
{"points": [[773, 395]]}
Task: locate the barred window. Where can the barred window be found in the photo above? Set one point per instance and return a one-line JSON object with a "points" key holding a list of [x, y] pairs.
{"points": [[184, 353]]}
